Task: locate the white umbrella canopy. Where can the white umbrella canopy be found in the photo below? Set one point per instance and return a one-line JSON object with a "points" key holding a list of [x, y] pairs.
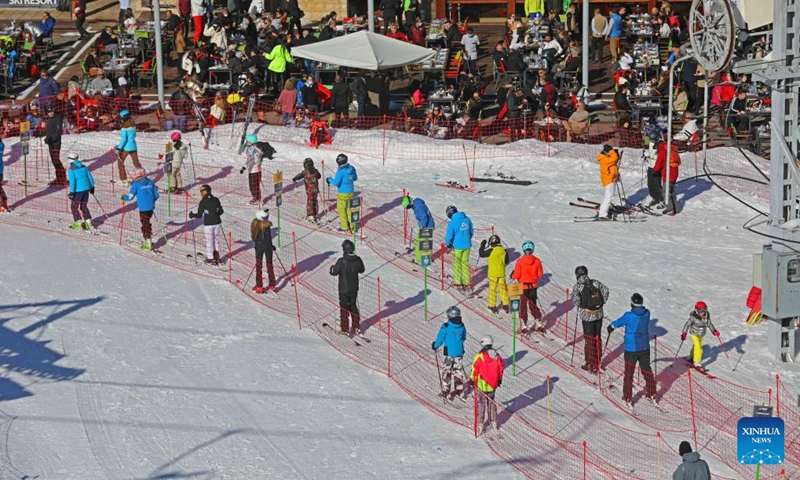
{"points": [[365, 50]]}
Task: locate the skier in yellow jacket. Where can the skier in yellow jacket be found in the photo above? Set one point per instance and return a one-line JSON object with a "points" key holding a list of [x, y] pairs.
{"points": [[497, 261], [534, 6]]}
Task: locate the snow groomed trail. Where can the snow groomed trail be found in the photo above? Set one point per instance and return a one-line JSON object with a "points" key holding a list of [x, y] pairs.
{"points": [[570, 441]]}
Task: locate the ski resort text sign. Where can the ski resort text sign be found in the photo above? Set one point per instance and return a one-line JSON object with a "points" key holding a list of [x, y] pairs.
{"points": [[29, 3], [760, 441]]}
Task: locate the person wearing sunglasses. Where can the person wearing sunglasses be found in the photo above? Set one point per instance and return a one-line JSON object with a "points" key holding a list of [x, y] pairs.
{"points": [[699, 322]]}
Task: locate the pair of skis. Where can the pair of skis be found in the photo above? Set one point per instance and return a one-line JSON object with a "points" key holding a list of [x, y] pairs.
{"points": [[347, 335], [614, 210]]}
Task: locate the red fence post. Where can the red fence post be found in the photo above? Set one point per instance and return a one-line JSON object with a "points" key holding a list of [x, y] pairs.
{"points": [[389, 347], [230, 260], [379, 300], [296, 298], [442, 247], [294, 244], [121, 219], [777, 395], [769, 395], [566, 324], [691, 403], [584, 460], [475, 412]]}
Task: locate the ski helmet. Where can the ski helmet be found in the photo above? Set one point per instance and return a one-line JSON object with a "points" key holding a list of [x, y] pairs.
{"points": [[308, 163], [407, 202], [341, 159], [637, 300], [262, 215], [205, 187], [494, 241], [701, 306], [175, 136], [348, 246], [487, 341], [139, 173], [124, 115], [251, 139], [453, 312], [451, 210], [581, 271], [73, 157], [528, 246], [50, 108]]}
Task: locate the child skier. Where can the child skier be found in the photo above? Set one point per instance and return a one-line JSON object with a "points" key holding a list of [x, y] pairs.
{"points": [[127, 145], [699, 321], [528, 271], [146, 194], [423, 216], [255, 153], [458, 239], [261, 233], [211, 210], [81, 185], [487, 375], [497, 261], [179, 154], [345, 177], [452, 335], [347, 269], [3, 197], [310, 177]]}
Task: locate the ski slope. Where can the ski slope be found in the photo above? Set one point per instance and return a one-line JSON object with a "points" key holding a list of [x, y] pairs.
{"points": [[130, 369]]}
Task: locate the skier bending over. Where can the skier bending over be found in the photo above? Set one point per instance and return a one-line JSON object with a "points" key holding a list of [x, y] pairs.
{"points": [[261, 233], [81, 185], [146, 194], [347, 269], [310, 177], [452, 335], [497, 261], [424, 219], [211, 210], [487, 375], [697, 325], [528, 271]]}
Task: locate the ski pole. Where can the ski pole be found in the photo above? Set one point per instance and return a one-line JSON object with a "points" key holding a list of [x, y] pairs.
{"points": [[251, 274], [101, 206], [283, 268], [439, 375], [725, 351], [574, 336], [605, 347], [161, 229], [194, 172], [677, 352]]}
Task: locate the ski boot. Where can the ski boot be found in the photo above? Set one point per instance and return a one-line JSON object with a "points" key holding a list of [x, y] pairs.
{"points": [[147, 245], [254, 201], [494, 310], [55, 183], [653, 401], [76, 226], [258, 289], [506, 309], [216, 257]]}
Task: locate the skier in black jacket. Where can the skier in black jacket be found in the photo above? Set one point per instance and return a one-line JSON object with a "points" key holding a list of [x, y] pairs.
{"points": [[211, 210], [52, 137], [261, 233], [347, 269]]}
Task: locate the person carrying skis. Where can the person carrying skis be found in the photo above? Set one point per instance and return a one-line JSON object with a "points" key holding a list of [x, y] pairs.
{"points": [[81, 185], [589, 296], [179, 153], [52, 137], [458, 240], [497, 261], [255, 152], [609, 176], [487, 376], [697, 325], [452, 335], [146, 194], [637, 349], [693, 467], [424, 219], [661, 168], [310, 177], [211, 210], [528, 271], [261, 233], [347, 269], [3, 197], [344, 180], [127, 145]]}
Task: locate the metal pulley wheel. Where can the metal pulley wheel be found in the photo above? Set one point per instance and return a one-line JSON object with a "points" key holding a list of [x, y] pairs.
{"points": [[712, 32]]}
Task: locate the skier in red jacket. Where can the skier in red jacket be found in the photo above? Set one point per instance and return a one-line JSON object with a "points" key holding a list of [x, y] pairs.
{"points": [[661, 167], [487, 375]]}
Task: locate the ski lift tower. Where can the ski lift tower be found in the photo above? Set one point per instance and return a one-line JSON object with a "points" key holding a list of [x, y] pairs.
{"points": [[711, 24]]}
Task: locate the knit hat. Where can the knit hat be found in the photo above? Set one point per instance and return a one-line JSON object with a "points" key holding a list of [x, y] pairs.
{"points": [[637, 300], [72, 157], [607, 148], [685, 447], [262, 215]]}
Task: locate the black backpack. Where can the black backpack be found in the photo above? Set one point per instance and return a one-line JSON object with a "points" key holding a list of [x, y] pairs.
{"points": [[591, 297]]}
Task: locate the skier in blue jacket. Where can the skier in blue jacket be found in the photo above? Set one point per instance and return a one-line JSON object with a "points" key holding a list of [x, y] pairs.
{"points": [[146, 194], [3, 197], [127, 145], [423, 216], [452, 335], [344, 180], [459, 239], [637, 349], [81, 185]]}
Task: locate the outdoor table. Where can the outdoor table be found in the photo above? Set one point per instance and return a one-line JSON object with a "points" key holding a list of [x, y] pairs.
{"points": [[119, 67], [219, 70], [437, 66]]}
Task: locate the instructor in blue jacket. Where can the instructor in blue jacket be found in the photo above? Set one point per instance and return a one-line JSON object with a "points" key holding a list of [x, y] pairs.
{"points": [[637, 348], [344, 180], [423, 216], [459, 239]]}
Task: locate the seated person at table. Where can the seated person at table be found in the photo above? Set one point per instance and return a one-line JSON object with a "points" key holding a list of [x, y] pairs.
{"points": [[434, 123], [100, 84], [500, 56], [660, 85], [517, 34], [548, 97], [550, 49], [173, 21], [577, 122], [216, 34], [622, 103], [515, 62], [329, 30], [91, 61], [689, 128], [466, 126], [676, 54], [474, 107], [737, 114], [204, 62], [625, 122], [630, 79], [452, 36], [572, 63], [625, 60], [416, 94], [108, 41], [417, 32], [46, 25], [123, 90], [394, 33], [129, 23]]}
